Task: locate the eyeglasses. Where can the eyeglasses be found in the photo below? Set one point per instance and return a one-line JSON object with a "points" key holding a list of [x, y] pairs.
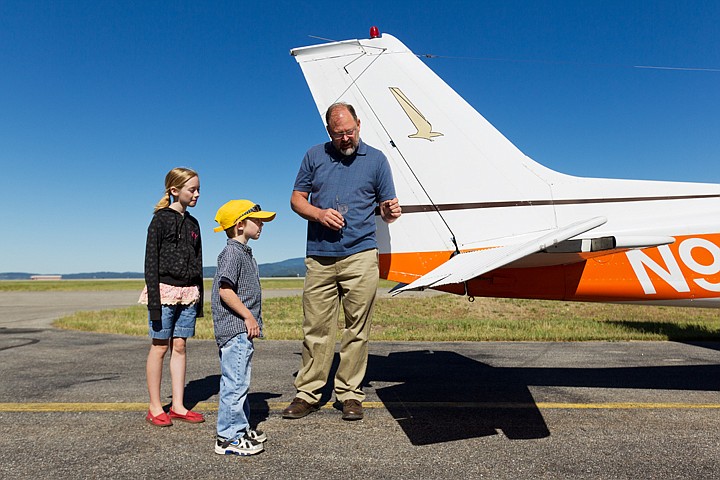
{"points": [[339, 135], [255, 208]]}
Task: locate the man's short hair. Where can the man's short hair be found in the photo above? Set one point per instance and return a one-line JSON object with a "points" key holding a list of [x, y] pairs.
{"points": [[335, 105]]}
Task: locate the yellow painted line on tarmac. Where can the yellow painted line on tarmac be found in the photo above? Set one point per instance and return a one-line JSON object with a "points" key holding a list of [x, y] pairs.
{"points": [[86, 407], [278, 406], [550, 405], [628, 406]]}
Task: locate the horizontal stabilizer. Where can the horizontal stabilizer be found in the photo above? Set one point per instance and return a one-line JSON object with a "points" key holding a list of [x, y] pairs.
{"points": [[645, 241], [465, 266]]}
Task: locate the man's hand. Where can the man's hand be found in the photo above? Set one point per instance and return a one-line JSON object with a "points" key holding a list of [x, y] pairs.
{"points": [[390, 210], [331, 219], [328, 217]]}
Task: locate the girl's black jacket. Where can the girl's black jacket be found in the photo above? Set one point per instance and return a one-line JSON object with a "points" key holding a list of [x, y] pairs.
{"points": [[173, 255]]}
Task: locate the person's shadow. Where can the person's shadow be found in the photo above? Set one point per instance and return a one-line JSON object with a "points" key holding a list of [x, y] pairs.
{"points": [[203, 389]]}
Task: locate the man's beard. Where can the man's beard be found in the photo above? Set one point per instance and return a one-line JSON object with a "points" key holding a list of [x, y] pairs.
{"points": [[349, 151]]}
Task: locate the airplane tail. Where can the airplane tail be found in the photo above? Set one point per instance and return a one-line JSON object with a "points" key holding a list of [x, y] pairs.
{"points": [[426, 130]]}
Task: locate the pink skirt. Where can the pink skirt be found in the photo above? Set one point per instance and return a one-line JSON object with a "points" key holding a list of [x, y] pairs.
{"points": [[171, 295]]}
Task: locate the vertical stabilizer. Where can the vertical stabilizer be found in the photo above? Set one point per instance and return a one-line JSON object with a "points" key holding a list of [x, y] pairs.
{"points": [[447, 160]]}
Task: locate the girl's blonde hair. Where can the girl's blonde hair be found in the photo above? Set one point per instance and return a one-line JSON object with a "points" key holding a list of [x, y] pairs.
{"points": [[175, 178]]}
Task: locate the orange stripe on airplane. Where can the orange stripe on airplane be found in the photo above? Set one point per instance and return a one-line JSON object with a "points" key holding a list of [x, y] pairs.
{"points": [[686, 269]]}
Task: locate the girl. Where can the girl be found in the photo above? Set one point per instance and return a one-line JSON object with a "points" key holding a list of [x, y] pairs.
{"points": [[173, 291]]}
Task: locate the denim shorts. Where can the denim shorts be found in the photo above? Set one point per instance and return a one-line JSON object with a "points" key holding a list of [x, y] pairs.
{"points": [[177, 321]]}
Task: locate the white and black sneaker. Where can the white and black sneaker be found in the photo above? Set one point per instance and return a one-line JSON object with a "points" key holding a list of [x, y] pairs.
{"points": [[257, 435], [240, 446]]}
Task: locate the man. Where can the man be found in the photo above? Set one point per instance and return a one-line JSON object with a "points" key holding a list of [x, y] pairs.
{"points": [[336, 191]]}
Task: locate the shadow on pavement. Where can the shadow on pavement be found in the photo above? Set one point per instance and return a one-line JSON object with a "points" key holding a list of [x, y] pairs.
{"points": [[442, 396], [203, 389], [675, 332]]}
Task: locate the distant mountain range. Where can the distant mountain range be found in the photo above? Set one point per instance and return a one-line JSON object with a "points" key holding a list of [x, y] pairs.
{"points": [[294, 267]]}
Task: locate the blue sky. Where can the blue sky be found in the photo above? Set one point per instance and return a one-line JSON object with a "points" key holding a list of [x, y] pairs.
{"points": [[99, 99]]}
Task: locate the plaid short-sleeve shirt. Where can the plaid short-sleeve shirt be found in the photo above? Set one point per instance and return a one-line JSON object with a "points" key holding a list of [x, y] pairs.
{"points": [[237, 268]]}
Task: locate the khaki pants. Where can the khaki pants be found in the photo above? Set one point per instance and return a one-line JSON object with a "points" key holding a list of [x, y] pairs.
{"points": [[328, 279]]}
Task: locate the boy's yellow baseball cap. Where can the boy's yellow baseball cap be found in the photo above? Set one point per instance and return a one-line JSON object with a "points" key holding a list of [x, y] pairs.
{"points": [[236, 210]]}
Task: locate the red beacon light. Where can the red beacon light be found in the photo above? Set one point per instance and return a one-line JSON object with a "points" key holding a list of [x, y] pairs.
{"points": [[374, 32]]}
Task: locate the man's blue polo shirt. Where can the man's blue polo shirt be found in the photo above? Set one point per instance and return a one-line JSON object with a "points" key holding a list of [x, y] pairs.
{"points": [[360, 181]]}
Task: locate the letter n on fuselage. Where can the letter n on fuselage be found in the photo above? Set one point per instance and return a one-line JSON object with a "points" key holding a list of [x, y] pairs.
{"points": [[671, 273]]}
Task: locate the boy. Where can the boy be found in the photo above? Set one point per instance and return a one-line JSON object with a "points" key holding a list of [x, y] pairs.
{"points": [[237, 320]]}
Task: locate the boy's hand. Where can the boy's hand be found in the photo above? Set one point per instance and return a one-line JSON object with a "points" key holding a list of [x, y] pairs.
{"points": [[252, 327]]}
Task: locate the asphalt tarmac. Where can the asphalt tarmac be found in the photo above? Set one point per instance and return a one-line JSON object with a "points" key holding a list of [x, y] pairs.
{"points": [[72, 405]]}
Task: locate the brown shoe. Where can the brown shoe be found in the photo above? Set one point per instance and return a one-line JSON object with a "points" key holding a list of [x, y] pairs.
{"points": [[352, 410], [298, 408]]}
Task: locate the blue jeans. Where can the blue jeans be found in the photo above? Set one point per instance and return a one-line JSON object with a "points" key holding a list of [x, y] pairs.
{"points": [[235, 365]]}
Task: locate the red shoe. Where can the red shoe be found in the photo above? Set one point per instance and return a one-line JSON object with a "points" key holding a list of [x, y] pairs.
{"points": [[190, 416], [162, 420]]}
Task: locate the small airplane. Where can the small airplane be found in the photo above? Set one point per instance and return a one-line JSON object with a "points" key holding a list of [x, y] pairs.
{"points": [[480, 218]]}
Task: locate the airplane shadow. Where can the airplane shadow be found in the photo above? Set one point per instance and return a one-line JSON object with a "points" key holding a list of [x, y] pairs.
{"points": [[443, 396]]}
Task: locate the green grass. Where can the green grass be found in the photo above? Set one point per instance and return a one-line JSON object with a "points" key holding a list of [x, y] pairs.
{"points": [[446, 318], [70, 285], [441, 318]]}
